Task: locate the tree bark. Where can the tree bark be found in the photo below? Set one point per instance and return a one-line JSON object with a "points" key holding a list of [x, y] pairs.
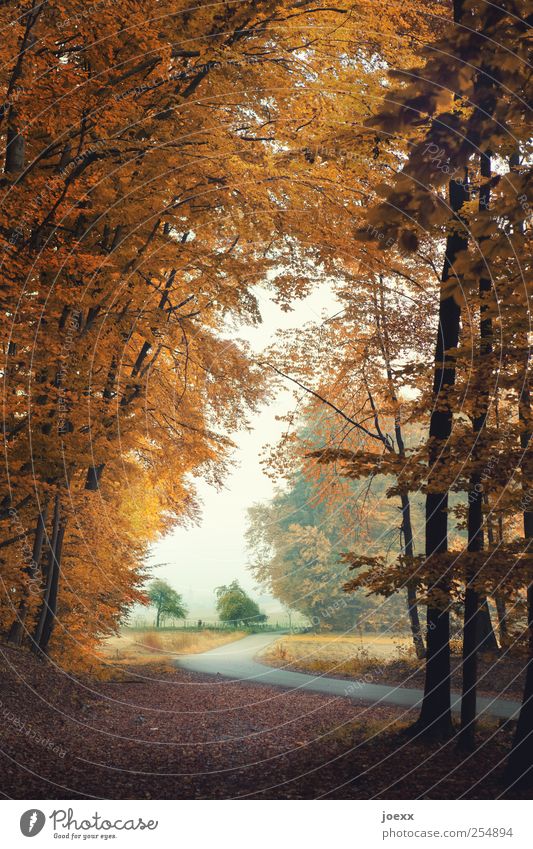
{"points": [[15, 144], [51, 606], [435, 716], [14, 149], [16, 632], [412, 583], [94, 473], [38, 633], [472, 619], [499, 599], [519, 770], [92, 480], [502, 620], [486, 638], [414, 620], [520, 764]]}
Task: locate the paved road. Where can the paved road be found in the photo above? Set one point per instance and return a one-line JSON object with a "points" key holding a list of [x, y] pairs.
{"points": [[236, 661]]}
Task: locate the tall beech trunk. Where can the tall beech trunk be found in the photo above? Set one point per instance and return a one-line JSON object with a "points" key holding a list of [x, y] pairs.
{"points": [[501, 608], [92, 480], [49, 610], [37, 636], [15, 144], [14, 149], [502, 620], [520, 764], [94, 473], [486, 637], [435, 716], [472, 619], [414, 619], [16, 632], [412, 583]]}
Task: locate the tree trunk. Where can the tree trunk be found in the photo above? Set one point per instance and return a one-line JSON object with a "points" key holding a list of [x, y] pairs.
{"points": [[414, 620], [92, 480], [412, 583], [519, 770], [472, 624], [37, 636], [16, 631], [520, 765], [498, 598], [469, 665], [502, 620], [14, 150], [14, 154], [51, 607], [94, 473], [435, 716], [486, 638]]}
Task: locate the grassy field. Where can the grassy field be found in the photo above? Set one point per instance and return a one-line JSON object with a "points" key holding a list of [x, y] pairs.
{"points": [[392, 660], [338, 654], [138, 647]]}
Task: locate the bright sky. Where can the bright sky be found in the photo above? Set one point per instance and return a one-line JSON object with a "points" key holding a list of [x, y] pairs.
{"points": [[199, 559]]}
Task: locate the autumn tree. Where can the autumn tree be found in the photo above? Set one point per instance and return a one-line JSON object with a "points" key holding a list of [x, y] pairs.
{"points": [[296, 541], [141, 204], [167, 602], [234, 606], [453, 111], [364, 366]]}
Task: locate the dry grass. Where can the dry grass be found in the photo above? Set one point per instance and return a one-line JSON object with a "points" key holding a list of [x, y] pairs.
{"points": [[337, 654], [139, 647], [391, 660]]}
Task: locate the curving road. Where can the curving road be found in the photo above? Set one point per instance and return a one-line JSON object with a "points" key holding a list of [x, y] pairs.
{"points": [[236, 661]]}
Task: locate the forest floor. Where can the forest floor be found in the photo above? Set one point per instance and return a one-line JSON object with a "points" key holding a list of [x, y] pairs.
{"points": [[162, 732], [388, 660]]}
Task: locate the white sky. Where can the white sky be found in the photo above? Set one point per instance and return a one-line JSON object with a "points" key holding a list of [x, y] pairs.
{"points": [[199, 559]]}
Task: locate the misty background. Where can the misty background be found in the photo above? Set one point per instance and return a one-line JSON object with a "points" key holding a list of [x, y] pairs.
{"points": [[197, 559]]}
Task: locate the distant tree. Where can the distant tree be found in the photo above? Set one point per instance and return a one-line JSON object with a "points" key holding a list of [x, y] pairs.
{"points": [[235, 605], [295, 541], [167, 602]]}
